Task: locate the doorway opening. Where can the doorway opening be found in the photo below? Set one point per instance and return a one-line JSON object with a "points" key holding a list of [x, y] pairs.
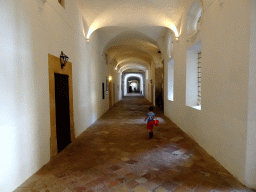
{"points": [[62, 111], [61, 105]]}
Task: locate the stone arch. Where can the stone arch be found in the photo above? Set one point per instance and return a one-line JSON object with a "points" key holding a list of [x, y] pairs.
{"points": [[126, 76]]}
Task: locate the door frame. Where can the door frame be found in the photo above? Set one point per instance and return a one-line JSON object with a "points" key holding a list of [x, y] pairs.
{"points": [[55, 67]]}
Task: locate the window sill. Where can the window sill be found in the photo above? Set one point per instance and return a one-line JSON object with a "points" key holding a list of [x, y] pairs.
{"points": [[198, 107]]}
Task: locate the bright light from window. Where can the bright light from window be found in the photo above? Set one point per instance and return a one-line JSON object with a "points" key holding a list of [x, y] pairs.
{"points": [[170, 80]]}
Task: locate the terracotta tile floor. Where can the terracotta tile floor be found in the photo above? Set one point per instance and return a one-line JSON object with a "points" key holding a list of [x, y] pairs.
{"points": [[116, 154]]}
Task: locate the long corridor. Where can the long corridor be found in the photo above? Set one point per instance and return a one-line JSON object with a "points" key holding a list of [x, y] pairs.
{"points": [[116, 154]]}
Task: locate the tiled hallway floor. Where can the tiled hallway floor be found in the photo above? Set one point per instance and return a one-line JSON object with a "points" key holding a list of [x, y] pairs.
{"points": [[116, 154]]}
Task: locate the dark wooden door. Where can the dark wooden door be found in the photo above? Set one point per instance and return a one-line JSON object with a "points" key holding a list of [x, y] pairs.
{"points": [[62, 111]]}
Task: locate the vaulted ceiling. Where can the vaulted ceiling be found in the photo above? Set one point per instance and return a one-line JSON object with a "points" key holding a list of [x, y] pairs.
{"points": [[130, 29]]}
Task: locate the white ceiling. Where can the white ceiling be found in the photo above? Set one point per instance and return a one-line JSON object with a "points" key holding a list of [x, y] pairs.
{"points": [[130, 29], [94, 8]]}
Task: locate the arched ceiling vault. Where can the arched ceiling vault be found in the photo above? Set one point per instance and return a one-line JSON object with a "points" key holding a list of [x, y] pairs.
{"points": [[131, 55], [137, 66], [132, 60], [131, 47], [132, 13], [135, 36], [130, 29]]}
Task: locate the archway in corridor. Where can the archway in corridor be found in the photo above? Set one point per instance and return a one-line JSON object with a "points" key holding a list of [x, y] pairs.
{"points": [[133, 85], [127, 79]]}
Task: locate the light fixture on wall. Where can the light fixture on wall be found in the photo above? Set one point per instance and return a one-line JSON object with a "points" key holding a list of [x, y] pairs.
{"points": [[151, 81], [63, 59], [110, 78]]}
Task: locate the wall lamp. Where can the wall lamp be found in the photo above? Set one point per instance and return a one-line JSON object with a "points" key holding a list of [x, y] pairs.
{"points": [[110, 78], [63, 59], [151, 81]]}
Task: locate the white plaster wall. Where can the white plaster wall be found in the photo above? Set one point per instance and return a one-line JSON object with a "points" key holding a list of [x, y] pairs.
{"points": [[115, 90], [148, 87], [250, 177], [119, 80], [147, 83], [90, 75], [115, 82], [24, 96], [221, 126], [169, 104], [29, 31], [151, 76]]}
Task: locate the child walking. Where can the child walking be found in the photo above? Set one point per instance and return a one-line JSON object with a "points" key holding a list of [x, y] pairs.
{"points": [[150, 121]]}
